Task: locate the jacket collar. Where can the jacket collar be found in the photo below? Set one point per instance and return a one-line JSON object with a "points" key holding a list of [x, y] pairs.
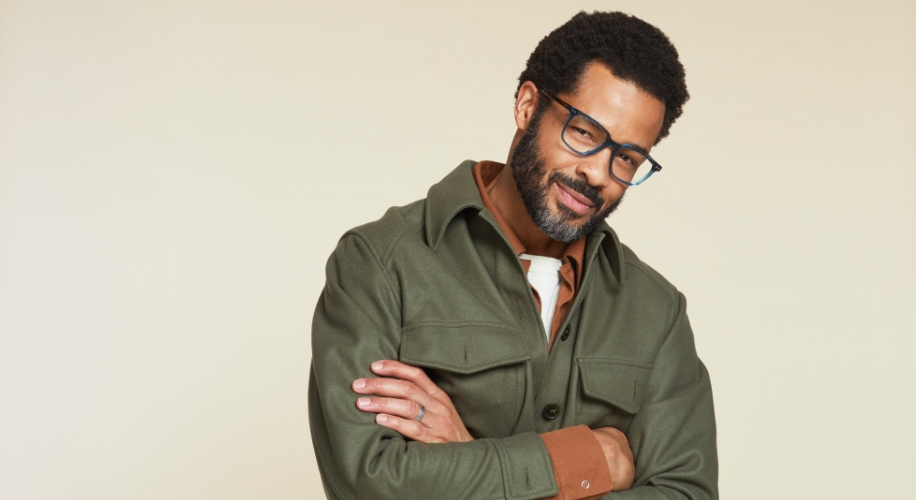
{"points": [[458, 192]]}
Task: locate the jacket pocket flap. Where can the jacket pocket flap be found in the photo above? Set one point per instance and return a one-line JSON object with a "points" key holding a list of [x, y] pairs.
{"points": [[462, 348], [620, 383]]}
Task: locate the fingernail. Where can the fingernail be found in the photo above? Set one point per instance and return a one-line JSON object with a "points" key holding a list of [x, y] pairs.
{"points": [[359, 384], [377, 365], [381, 419], [363, 401]]}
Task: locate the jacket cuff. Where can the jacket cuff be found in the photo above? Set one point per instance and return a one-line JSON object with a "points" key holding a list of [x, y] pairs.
{"points": [[578, 462], [525, 467]]}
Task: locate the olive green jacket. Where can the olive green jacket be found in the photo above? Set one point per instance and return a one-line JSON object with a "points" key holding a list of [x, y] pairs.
{"points": [[436, 284]]}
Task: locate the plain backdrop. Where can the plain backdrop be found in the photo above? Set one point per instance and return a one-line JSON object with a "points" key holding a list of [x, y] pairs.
{"points": [[174, 174]]}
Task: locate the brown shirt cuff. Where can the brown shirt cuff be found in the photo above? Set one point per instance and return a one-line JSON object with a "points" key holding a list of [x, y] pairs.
{"points": [[578, 462]]}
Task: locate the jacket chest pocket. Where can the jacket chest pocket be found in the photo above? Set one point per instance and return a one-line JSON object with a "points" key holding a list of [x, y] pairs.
{"points": [[610, 391], [480, 366]]}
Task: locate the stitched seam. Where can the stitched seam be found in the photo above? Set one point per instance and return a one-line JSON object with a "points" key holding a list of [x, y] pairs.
{"points": [[664, 288], [390, 250], [504, 465], [611, 399], [614, 361], [675, 300], [466, 369], [667, 336], [456, 324], [378, 261], [560, 472]]}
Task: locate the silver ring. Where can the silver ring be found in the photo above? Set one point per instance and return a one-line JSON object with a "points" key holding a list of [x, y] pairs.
{"points": [[422, 412]]}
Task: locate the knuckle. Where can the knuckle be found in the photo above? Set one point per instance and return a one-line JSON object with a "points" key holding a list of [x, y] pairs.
{"points": [[408, 389], [435, 407]]}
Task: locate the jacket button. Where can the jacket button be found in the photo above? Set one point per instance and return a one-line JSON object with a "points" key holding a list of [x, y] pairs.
{"points": [[565, 334], [551, 411]]}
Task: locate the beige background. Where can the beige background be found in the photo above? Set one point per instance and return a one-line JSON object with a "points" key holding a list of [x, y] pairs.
{"points": [[174, 174]]}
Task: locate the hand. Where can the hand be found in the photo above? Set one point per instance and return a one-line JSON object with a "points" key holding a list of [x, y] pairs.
{"points": [[619, 457], [402, 395]]}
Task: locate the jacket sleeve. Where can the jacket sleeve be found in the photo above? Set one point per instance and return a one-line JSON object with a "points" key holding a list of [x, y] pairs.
{"points": [[358, 321], [673, 436]]}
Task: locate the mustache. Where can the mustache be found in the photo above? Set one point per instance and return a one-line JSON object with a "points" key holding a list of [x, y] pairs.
{"points": [[579, 186]]}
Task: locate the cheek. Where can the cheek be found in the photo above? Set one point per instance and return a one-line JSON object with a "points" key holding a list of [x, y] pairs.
{"points": [[555, 154]]}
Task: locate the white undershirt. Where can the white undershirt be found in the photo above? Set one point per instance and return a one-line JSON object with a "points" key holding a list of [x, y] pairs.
{"points": [[544, 276]]}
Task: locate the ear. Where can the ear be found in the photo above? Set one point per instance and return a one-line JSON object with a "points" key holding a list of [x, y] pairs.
{"points": [[526, 104]]}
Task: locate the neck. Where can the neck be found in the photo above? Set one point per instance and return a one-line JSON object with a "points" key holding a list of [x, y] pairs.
{"points": [[507, 200]]}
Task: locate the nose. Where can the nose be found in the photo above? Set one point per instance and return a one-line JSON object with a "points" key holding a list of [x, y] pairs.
{"points": [[596, 169]]}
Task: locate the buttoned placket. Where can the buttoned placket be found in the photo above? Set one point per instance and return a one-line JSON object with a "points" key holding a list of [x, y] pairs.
{"points": [[552, 405], [560, 361]]}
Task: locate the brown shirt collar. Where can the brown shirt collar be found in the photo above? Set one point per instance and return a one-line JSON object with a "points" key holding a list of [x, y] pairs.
{"points": [[484, 173]]}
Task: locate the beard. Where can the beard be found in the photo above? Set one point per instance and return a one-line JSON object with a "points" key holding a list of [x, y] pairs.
{"points": [[529, 171]]}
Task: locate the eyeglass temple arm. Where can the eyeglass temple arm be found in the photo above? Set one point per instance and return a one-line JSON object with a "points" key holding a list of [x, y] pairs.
{"points": [[561, 102]]}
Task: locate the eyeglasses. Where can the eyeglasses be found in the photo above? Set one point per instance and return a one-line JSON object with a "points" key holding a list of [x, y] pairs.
{"points": [[585, 137]]}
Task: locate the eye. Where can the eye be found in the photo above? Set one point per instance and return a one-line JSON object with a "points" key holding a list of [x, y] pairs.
{"points": [[585, 134]]}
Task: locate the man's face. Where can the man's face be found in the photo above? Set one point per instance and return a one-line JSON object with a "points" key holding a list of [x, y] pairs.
{"points": [[568, 195]]}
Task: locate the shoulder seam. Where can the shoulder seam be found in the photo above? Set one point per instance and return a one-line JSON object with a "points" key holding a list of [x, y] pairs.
{"points": [[382, 267], [390, 239], [394, 241], [672, 296]]}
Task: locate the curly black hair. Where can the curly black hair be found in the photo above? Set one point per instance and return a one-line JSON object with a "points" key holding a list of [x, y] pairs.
{"points": [[631, 48]]}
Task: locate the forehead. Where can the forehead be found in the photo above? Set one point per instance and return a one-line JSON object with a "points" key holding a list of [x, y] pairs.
{"points": [[630, 114]]}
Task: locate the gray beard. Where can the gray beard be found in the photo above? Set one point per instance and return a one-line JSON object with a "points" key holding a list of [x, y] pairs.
{"points": [[528, 169]]}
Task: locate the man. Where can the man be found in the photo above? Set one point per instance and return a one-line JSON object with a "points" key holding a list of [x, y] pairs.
{"points": [[495, 340]]}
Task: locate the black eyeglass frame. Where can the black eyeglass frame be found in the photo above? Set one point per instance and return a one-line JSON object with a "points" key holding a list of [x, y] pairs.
{"points": [[615, 146]]}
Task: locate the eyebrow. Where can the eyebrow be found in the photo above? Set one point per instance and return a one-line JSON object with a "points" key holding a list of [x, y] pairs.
{"points": [[641, 148]]}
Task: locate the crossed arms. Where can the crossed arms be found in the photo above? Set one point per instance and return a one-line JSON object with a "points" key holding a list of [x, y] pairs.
{"points": [[407, 389], [357, 322]]}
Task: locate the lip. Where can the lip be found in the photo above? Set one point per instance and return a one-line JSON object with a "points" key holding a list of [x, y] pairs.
{"points": [[575, 201]]}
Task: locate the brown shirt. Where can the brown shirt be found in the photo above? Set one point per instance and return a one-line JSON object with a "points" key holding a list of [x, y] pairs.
{"points": [[574, 451], [570, 270]]}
